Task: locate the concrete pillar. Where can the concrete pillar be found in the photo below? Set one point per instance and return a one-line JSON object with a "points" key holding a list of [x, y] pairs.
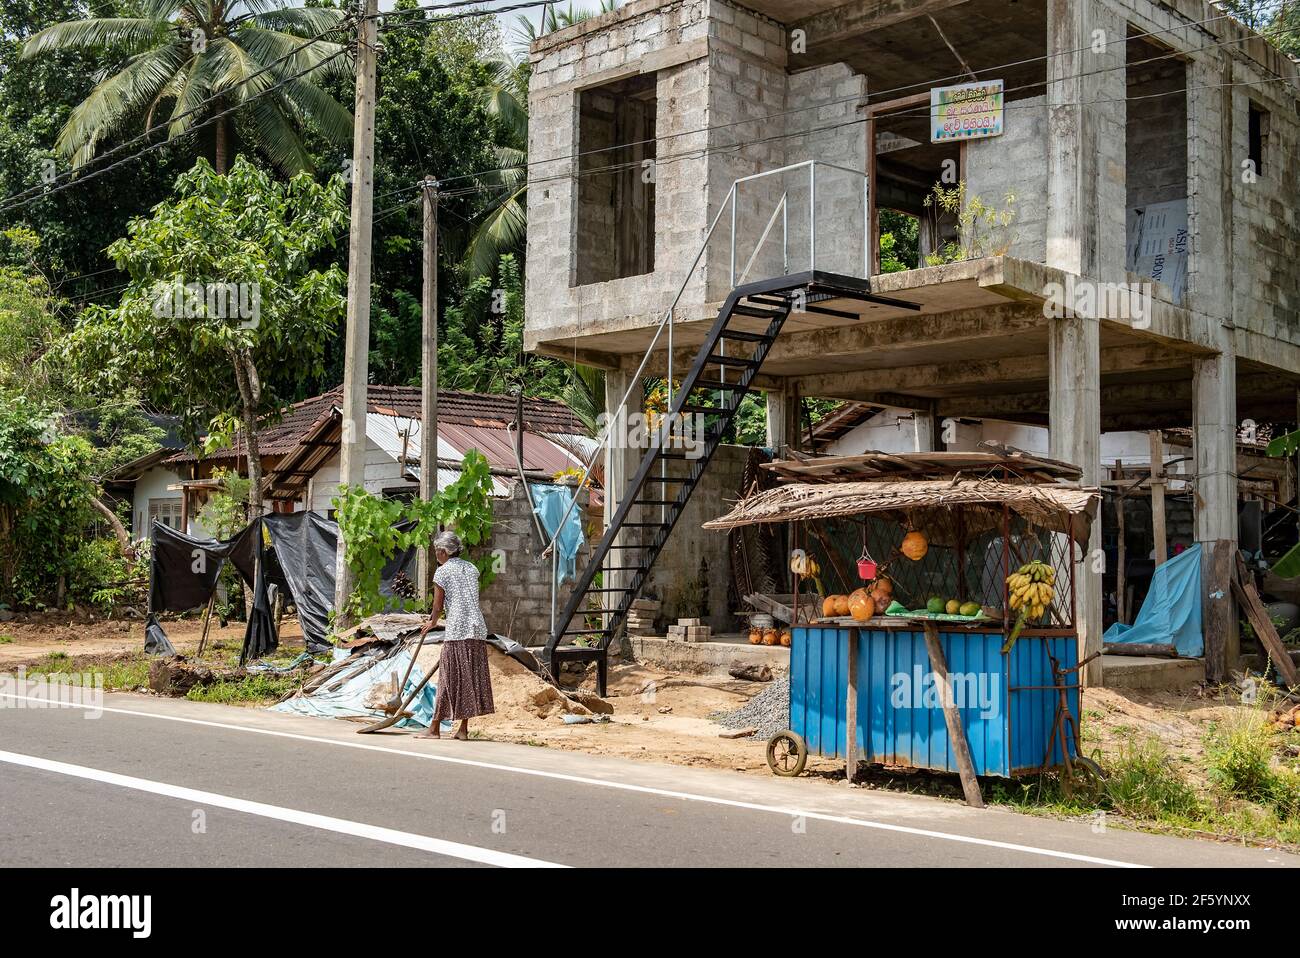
{"points": [[927, 431], [1074, 356], [1214, 440], [777, 404], [784, 425]]}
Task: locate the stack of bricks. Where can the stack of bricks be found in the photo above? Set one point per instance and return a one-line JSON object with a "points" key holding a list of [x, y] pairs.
{"points": [[690, 630], [641, 617]]}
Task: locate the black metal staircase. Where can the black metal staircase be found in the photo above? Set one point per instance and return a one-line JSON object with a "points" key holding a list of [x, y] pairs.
{"points": [[725, 366]]}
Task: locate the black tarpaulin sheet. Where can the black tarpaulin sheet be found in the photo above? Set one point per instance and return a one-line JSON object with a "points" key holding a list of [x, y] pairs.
{"points": [[300, 559], [184, 570], [155, 639]]}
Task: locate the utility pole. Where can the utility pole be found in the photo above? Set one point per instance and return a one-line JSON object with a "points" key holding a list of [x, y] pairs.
{"points": [[356, 377], [429, 369]]}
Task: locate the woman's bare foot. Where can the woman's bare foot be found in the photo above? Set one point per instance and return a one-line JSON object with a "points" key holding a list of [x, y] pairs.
{"points": [[428, 733], [462, 733]]}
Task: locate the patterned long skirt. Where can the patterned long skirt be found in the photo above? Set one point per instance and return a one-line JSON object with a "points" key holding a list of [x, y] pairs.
{"points": [[464, 683]]}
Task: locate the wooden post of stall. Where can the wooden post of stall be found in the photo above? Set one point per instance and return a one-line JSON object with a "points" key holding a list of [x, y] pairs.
{"points": [[970, 786], [1156, 438], [851, 711]]}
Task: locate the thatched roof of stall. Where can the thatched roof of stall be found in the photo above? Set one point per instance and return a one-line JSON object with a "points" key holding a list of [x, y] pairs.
{"points": [[991, 460], [1056, 506]]}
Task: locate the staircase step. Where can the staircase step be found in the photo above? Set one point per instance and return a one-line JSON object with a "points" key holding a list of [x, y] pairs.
{"points": [[719, 384], [740, 309], [654, 502], [611, 589], [587, 632], [730, 361], [642, 525], [781, 302], [741, 336], [706, 410]]}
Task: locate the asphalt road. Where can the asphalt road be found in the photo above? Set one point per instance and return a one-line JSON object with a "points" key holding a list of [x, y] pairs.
{"points": [[175, 783]]}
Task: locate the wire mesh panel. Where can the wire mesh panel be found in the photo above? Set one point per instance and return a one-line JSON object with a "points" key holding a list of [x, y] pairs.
{"points": [[964, 553]]}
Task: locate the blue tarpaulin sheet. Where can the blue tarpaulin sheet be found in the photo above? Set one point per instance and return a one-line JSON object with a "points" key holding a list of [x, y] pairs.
{"points": [[550, 503], [1171, 612], [349, 699]]}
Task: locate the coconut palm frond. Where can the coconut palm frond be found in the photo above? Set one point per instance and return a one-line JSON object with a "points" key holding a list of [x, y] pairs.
{"points": [[502, 230], [321, 111], [299, 21], [277, 136], [291, 54], [126, 93], [130, 33]]}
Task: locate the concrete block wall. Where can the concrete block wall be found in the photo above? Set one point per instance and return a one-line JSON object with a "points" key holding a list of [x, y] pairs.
{"points": [[1266, 234], [717, 65], [821, 105], [518, 602], [695, 565], [1015, 162], [642, 39]]}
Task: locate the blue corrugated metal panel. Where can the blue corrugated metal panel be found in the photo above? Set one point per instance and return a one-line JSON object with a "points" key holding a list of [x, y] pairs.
{"points": [[899, 719], [1033, 710]]}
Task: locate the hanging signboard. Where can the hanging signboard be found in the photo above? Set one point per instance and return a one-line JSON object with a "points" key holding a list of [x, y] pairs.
{"points": [[966, 112]]}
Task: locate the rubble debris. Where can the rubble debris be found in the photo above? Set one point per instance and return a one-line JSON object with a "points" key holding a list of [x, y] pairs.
{"points": [[768, 712]]}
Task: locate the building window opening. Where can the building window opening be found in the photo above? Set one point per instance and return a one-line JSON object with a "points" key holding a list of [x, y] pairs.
{"points": [[615, 235]]}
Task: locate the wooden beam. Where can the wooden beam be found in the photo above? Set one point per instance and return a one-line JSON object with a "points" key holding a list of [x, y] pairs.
{"points": [[1157, 445], [970, 785]]}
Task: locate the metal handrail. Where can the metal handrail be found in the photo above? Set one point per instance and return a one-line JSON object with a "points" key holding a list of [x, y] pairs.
{"points": [[667, 321]]}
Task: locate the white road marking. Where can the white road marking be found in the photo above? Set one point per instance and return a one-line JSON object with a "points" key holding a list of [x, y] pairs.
{"points": [[196, 796], [622, 786]]}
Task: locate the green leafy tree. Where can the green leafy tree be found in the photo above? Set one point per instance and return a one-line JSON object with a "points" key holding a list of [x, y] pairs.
{"points": [[370, 528], [173, 334], [185, 61], [45, 502]]}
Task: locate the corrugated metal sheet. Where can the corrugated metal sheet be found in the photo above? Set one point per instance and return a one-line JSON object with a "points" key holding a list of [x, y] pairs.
{"points": [[401, 434], [1007, 726]]}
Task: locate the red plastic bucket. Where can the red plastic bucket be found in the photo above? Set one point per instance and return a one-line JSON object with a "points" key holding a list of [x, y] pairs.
{"points": [[866, 569]]}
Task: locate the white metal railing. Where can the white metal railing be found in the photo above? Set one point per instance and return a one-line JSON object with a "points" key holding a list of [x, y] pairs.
{"points": [[666, 323]]}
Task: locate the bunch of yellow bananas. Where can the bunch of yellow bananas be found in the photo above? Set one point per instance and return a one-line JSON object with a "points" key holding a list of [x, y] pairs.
{"points": [[801, 563], [1031, 588]]}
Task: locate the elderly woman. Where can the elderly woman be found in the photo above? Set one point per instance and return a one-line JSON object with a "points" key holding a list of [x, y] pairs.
{"points": [[464, 685]]}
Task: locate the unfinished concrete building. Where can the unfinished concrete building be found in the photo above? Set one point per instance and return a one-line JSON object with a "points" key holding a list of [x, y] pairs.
{"points": [[1137, 269]]}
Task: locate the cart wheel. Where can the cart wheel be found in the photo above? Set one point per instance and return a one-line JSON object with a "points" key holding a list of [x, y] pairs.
{"points": [[1088, 781], [786, 754]]}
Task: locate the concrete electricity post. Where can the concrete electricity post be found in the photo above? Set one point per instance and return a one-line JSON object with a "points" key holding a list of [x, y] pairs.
{"points": [[357, 343], [429, 369]]}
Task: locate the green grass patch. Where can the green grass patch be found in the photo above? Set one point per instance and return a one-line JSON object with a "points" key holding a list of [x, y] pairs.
{"points": [[250, 689], [1144, 782], [6, 639]]}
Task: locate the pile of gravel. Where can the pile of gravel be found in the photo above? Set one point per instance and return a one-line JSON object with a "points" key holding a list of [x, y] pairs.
{"points": [[768, 711]]}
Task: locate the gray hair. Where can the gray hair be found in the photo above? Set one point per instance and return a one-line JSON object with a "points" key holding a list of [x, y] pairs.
{"points": [[448, 542]]}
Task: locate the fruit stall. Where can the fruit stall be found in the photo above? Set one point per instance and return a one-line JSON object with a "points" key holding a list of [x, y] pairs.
{"points": [[933, 610]]}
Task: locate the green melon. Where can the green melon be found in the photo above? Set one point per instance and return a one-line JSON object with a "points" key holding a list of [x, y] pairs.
{"points": [[935, 604]]}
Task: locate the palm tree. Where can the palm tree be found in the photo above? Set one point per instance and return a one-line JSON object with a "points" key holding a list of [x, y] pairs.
{"points": [[504, 221], [191, 59]]}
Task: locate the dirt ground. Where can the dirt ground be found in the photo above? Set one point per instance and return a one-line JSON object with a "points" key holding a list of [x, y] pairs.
{"points": [[657, 716], [31, 642]]}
